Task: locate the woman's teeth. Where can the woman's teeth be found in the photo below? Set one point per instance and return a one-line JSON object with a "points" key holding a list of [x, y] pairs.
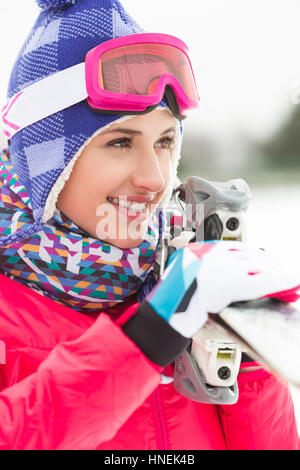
{"points": [[132, 206]]}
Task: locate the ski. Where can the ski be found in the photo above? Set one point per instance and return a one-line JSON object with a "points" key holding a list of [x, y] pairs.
{"points": [[269, 331]]}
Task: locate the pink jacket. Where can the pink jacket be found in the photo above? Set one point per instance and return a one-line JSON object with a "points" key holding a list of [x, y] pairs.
{"points": [[75, 382]]}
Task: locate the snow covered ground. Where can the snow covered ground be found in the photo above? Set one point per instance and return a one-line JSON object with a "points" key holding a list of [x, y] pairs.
{"points": [[274, 224]]}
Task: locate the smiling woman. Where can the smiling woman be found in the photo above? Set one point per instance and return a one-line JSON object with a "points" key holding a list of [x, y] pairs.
{"points": [[121, 177]]}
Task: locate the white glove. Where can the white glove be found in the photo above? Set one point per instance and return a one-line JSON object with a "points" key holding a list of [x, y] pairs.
{"points": [[203, 278], [213, 276]]}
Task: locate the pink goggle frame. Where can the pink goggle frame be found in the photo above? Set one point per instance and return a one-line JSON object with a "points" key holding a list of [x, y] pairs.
{"points": [[126, 75], [131, 73]]}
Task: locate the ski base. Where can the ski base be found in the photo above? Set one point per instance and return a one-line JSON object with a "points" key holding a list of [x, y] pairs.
{"points": [[269, 331]]}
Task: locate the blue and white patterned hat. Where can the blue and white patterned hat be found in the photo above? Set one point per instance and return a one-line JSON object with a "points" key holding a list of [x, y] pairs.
{"points": [[44, 153]]}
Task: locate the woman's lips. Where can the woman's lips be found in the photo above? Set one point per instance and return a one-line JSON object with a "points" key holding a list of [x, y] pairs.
{"points": [[138, 216], [138, 198], [133, 207]]}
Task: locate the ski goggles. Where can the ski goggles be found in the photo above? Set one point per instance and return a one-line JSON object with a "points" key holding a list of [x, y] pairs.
{"points": [[126, 75]]}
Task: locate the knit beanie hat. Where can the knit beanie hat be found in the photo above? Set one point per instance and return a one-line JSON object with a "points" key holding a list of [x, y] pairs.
{"points": [[44, 153]]}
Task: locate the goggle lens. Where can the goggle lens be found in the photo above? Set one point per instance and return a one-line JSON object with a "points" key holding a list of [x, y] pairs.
{"points": [[137, 68]]}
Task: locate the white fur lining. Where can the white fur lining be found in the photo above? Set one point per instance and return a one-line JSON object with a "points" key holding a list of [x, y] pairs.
{"points": [[50, 205]]}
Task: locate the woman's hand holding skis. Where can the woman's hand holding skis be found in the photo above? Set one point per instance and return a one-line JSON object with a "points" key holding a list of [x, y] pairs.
{"points": [[204, 278]]}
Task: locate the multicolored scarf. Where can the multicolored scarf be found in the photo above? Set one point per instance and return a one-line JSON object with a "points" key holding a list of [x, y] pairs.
{"points": [[64, 262]]}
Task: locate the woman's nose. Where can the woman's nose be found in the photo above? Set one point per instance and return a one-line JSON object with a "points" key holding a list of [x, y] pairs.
{"points": [[148, 172]]}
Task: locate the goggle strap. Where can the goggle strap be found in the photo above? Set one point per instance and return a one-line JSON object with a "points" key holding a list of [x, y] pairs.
{"points": [[44, 98]]}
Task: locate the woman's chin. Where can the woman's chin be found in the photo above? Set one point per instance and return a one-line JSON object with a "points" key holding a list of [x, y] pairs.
{"points": [[125, 244]]}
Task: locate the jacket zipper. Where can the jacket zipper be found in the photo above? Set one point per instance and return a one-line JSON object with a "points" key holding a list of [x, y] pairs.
{"points": [[160, 424]]}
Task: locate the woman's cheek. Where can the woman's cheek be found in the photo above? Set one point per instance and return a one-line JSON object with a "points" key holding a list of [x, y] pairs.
{"points": [[167, 174]]}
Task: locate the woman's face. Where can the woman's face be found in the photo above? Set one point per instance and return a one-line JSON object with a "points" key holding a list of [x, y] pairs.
{"points": [[120, 178]]}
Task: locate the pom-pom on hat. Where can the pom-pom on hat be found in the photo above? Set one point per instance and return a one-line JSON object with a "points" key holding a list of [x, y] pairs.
{"points": [[44, 153]]}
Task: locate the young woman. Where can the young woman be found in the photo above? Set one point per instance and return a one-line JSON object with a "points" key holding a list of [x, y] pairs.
{"points": [[85, 338]]}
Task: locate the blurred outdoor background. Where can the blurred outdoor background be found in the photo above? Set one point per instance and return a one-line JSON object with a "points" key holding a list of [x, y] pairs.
{"points": [[246, 59]]}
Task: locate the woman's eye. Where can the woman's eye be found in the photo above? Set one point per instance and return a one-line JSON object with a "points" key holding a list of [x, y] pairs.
{"points": [[166, 142], [123, 142]]}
